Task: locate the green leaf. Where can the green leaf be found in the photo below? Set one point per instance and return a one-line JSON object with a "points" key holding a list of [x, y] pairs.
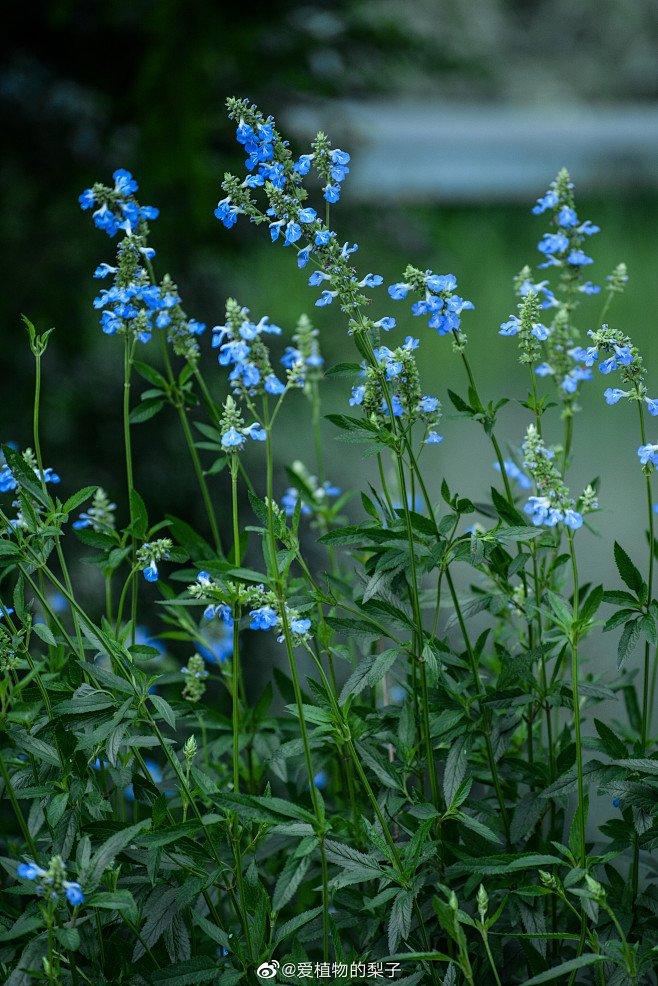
{"points": [[164, 709], [460, 404], [561, 609], [638, 763], [56, 808], [358, 629], [479, 828], [343, 370], [296, 923], [140, 519], [146, 409], [116, 900], [201, 969], [561, 970], [41, 750], [26, 477], [627, 642], [45, 633], [455, 770], [69, 937], [591, 604], [292, 874], [345, 535], [78, 498], [358, 680], [399, 923], [627, 570], [614, 747], [494, 865], [160, 908], [104, 857], [150, 373]]}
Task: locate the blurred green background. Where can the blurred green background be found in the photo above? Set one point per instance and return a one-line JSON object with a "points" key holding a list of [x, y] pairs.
{"points": [[87, 87]]}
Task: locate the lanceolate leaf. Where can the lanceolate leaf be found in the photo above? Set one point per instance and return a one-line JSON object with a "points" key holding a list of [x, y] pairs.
{"points": [[627, 570], [627, 642]]}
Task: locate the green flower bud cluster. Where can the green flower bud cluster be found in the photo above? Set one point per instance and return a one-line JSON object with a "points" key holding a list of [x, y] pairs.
{"points": [[195, 675]]}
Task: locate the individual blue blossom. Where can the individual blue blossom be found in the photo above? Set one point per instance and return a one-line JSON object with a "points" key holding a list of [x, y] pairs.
{"points": [[648, 453], [273, 385], [263, 618], [358, 393], [217, 647], [30, 871], [371, 281], [289, 502], [578, 258], [567, 216], [553, 243], [433, 438], [578, 373], [544, 370], [589, 288], [549, 300], [549, 201], [614, 394], [513, 471], [514, 324], [586, 356], [399, 291], [326, 298]]}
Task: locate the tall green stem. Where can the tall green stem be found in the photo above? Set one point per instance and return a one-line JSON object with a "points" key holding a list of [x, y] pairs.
{"points": [[129, 350]]}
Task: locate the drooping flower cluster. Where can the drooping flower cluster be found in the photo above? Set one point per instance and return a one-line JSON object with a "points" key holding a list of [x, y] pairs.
{"points": [[135, 304], [623, 355], [267, 616], [117, 207], [241, 346], [562, 248], [99, 516], [438, 300], [150, 553], [52, 882], [394, 385], [553, 503], [233, 431], [273, 168], [229, 598]]}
